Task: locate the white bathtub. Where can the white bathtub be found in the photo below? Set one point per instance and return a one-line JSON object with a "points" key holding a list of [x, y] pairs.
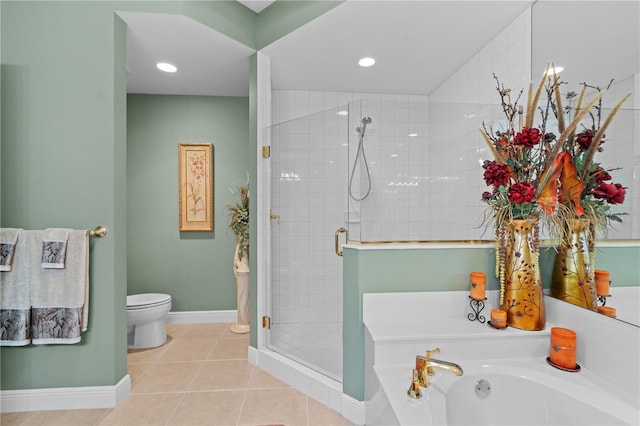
{"points": [[522, 392]]}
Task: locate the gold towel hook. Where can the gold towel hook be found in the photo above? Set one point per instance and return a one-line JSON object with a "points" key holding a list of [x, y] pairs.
{"points": [[100, 231]]}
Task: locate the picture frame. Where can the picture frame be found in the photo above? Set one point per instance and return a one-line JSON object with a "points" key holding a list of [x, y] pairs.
{"points": [[195, 186]]}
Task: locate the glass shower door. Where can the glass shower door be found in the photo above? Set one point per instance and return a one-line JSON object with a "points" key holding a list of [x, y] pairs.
{"points": [[308, 193]]}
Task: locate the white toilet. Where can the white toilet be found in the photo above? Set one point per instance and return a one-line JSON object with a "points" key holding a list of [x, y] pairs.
{"points": [[145, 320]]}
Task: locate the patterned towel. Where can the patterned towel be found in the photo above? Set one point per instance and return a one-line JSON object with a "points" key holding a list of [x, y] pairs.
{"points": [[54, 247], [15, 306], [60, 297], [8, 241]]}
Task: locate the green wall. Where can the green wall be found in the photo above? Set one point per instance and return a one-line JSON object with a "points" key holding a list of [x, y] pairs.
{"points": [[407, 270], [195, 268], [63, 165]]}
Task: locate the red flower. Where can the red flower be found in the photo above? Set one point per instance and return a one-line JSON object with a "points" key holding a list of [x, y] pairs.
{"points": [[528, 137], [613, 193], [486, 195], [521, 193], [585, 138], [600, 175], [496, 174]]}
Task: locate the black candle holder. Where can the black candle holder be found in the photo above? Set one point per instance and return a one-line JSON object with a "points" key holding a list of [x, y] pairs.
{"points": [[603, 300], [477, 305]]}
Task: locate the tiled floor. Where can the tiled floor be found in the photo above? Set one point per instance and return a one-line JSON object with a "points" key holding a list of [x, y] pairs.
{"points": [[201, 376]]}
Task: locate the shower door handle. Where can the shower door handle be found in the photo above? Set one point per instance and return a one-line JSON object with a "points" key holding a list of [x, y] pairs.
{"points": [[338, 232]]}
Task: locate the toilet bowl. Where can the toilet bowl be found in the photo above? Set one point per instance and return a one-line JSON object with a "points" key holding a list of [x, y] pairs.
{"points": [[145, 320]]}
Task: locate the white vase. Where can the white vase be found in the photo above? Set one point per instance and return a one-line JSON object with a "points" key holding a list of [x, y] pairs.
{"points": [[241, 272]]}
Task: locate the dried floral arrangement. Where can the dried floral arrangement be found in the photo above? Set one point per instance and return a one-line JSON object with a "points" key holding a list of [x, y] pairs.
{"points": [[547, 178], [239, 220], [538, 175]]}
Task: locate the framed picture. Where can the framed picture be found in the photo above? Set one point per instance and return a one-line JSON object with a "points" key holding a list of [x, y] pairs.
{"points": [[195, 186]]}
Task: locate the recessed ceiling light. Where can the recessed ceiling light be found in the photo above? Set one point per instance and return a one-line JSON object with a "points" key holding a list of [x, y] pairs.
{"points": [[166, 67], [366, 62], [343, 113], [412, 135]]}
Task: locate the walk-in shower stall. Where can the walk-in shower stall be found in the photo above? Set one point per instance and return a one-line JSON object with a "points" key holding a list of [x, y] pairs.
{"points": [[327, 170]]}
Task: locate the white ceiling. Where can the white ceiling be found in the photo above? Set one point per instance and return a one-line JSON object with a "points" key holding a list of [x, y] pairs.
{"points": [[417, 45]]}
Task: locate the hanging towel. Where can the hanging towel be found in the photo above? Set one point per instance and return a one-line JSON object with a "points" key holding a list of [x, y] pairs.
{"points": [[60, 297], [8, 240], [15, 306], [54, 247]]}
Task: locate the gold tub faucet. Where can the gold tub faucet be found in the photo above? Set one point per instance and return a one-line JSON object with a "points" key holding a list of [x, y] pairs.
{"points": [[426, 367]]}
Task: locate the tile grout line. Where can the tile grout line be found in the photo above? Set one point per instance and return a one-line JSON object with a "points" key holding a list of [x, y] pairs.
{"points": [[246, 392]]}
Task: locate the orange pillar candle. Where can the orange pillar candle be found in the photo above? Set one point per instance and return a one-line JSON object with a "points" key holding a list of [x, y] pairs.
{"points": [[602, 282], [562, 351], [478, 282], [498, 318], [607, 310]]}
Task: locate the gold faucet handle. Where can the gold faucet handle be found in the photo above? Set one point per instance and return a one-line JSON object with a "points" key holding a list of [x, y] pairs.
{"points": [[414, 389], [421, 371], [433, 351]]}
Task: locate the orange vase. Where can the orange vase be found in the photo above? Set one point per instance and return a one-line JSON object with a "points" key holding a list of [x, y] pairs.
{"points": [[523, 299], [573, 279]]}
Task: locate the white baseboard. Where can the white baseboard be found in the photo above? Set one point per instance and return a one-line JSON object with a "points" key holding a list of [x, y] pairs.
{"points": [[77, 398], [196, 317], [309, 382]]}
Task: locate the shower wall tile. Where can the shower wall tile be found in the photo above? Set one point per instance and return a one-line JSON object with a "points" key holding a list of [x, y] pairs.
{"points": [[458, 108]]}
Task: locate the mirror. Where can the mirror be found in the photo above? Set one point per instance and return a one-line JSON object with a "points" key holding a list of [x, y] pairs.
{"points": [[596, 42]]}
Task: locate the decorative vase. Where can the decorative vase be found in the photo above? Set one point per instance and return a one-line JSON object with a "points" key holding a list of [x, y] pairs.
{"points": [[521, 293], [241, 272], [573, 277]]}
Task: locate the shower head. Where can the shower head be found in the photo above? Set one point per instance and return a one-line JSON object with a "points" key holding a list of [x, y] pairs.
{"points": [[365, 121]]}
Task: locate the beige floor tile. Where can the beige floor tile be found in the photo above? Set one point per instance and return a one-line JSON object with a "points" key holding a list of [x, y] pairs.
{"points": [[67, 418], [147, 355], [321, 415], [225, 374], [147, 410], [231, 349], [197, 331], [188, 350], [14, 419], [274, 406], [175, 330], [167, 377], [201, 376], [209, 408], [262, 379], [135, 370], [228, 334]]}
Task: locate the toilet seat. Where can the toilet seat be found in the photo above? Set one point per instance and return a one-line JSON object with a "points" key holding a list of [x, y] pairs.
{"points": [[147, 300]]}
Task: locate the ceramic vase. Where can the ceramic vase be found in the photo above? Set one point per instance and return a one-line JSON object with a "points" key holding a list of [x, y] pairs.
{"points": [[521, 287], [573, 278], [241, 272]]}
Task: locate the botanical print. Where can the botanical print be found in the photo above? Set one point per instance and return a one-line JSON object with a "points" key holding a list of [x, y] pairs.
{"points": [[53, 251], [196, 185], [14, 324], [56, 323]]}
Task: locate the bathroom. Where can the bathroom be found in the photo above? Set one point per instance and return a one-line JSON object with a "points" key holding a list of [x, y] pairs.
{"points": [[105, 158]]}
